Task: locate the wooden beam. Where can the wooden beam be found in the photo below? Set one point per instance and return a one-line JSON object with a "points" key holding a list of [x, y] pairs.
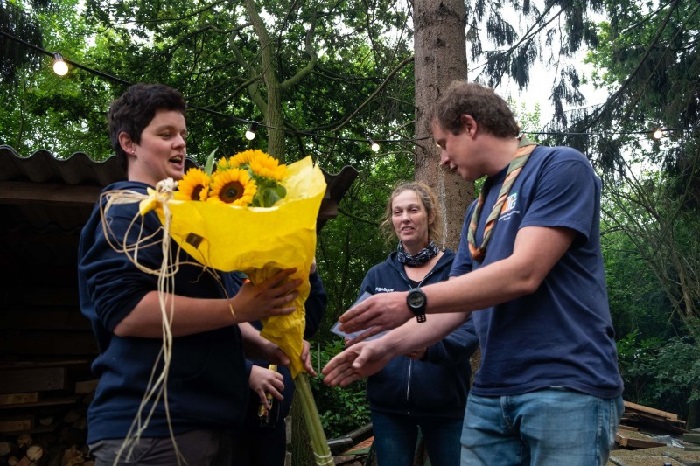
{"points": [[648, 410], [34, 380], [20, 192]]}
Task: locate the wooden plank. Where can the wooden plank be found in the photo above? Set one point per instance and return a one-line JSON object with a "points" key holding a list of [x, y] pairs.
{"points": [[61, 401], [33, 379], [18, 192], [633, 442], [692, 437], [648, 410], [44, 319], [18, 365], [86, 386], [14, 424], [48, 343], [18, 398]]}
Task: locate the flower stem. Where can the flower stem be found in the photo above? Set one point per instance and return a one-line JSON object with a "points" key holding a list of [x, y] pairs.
{"points": [[319, 444]]}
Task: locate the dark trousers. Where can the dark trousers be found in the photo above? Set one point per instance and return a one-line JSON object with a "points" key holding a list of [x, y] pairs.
{"points": [[196, 448]]}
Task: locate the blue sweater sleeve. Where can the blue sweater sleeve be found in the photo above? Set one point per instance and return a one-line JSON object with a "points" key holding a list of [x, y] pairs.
{"points": [[315, 306], [456, 347], [113, 284]]}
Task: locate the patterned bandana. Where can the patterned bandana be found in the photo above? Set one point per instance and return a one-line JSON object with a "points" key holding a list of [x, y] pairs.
{"points": [[416, 260]]}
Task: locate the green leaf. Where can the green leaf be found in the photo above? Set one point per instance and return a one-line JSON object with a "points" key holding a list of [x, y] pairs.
{"points": [[209, 166]]}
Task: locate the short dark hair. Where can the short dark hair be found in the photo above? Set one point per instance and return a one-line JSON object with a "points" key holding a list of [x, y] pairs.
{"points": [[430, 204], [481, 102], [134, 110]]}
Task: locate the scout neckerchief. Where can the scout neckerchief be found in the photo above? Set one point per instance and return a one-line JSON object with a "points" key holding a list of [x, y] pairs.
{"points": [[416, 260], [525, 148]]}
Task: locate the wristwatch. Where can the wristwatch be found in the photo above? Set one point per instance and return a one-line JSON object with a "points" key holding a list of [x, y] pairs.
{"points": [[416, 301]]}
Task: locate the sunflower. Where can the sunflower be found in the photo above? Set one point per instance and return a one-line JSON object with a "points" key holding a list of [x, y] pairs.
{"points": [[243, 159], [225, 163], [232, 186], [268, 167], [194, 186]]}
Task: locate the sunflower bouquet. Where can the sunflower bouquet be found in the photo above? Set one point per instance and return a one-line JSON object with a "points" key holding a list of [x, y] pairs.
{"points": [[249, 178], [252, 214]]}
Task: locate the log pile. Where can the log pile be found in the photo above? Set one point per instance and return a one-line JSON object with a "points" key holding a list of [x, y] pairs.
{"points": [[43, 413], [652, 419]]}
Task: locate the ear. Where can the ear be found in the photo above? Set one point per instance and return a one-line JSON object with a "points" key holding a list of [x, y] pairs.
{"points": [[431, 218], [469, 124], [126, 142]]}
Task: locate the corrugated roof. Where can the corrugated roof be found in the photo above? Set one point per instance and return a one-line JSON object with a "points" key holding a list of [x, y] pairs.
{"points": [[43, 167]]}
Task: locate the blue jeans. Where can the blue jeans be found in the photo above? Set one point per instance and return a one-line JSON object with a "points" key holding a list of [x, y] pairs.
{"points": [[395, 437], [550, 427]]}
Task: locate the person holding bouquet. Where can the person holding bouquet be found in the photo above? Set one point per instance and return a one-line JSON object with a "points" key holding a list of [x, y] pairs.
{"points": [[265, 434], [426, 389], [196, 418]]}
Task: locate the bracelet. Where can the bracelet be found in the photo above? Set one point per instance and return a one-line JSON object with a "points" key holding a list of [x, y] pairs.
{"points": [[230, 304]]}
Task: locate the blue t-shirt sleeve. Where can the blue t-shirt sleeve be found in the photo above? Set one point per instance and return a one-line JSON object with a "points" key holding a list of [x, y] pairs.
{"points": [[565, 194]]}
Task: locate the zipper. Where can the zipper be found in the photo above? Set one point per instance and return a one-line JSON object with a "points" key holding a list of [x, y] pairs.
{"points": [[410, 361]]}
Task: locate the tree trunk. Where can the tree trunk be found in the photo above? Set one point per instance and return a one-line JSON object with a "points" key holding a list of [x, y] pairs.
{"points": [[440, 50], [272, 110], [440, 58]]}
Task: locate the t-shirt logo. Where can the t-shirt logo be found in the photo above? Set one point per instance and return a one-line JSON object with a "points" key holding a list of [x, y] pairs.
{"points": [[509, 205]]}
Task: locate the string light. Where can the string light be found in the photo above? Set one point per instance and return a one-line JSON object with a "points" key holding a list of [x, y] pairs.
{"points": [[250, 133], [60, 67]]}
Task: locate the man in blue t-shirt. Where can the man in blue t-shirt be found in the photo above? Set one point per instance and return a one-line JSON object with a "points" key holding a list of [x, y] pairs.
{"points": [[529, 270]]}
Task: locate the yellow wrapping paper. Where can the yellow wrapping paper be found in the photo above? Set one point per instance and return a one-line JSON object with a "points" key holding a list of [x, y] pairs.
{"points": [[258, 241]]}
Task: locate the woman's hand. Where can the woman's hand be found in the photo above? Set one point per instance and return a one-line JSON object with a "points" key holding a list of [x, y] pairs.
{"points": [[263, 381], [273, 297]]}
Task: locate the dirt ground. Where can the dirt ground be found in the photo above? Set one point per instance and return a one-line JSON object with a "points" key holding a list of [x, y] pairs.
{"points": [[689, 455]]}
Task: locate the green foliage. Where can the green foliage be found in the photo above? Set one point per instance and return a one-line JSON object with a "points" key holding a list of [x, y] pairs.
{"points": [[637, 302], [660, 373], [342, 410], [331, 61]]}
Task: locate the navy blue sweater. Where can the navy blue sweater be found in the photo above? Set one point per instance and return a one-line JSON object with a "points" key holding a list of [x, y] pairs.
{"points": [[438, 384], [208, 380]]}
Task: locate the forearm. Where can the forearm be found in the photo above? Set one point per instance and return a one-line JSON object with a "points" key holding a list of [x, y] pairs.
{"points": [[254, 345], [518, 275], [496, 283], [187, 316], [413, 336]]}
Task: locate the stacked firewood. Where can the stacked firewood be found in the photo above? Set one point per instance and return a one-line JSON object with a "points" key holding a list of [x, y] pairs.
{"points": [[43, 414]]}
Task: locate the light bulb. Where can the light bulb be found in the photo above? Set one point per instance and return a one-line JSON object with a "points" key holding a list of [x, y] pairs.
{"points": [[250, 132], [658, 134], [60, 67]]}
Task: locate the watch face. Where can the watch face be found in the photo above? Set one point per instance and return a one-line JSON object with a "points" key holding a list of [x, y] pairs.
{"points": [[416, 299]]}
